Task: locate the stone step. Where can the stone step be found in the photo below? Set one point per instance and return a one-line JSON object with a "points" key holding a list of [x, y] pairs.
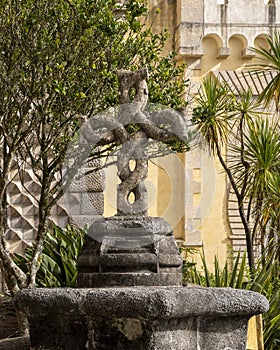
{"points": [[126, 244], [136, 278]]}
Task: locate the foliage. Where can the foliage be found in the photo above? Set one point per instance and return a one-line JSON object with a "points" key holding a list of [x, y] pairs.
{"points": [[250, 137], [272, 321], [261, 151], [251, 162], [269, 60], [212, 112], [58, 265], [236, 275], [58, 63]]}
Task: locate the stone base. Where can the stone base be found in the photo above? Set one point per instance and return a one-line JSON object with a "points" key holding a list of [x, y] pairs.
{"points": [[129, 251], [142, 318]]}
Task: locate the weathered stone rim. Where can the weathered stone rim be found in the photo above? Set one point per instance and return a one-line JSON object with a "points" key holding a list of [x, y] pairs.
{"points": [[142, 302]]}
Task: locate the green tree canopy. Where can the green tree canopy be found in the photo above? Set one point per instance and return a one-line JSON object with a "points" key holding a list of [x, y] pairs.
{"points": [[58, 62]]}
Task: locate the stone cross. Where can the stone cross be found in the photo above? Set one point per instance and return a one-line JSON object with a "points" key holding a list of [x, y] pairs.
{"points": [[132, 109], [132, 129], [134, 149], [132, 248]]}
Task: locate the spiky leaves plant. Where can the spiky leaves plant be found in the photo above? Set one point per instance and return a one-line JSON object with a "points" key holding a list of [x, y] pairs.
{"points": [[221, 118], [58, 264], [235, 274], [213, 112], [262, 151], [269, 60], [261, 154]]}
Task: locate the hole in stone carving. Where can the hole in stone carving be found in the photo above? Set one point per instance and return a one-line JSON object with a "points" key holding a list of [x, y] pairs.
{"points": [[132, 165], [132, 93], [131, 198]]}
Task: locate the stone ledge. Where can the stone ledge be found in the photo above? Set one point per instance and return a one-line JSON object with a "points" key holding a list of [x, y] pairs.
{"points": [[172, 277], [129, 226], [165, 302], [131, 259]]}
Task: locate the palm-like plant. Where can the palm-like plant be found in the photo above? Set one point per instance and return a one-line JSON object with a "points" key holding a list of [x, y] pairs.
{"points": [[247, 109], [269, 60], [58, 264], [213, 113], [221, 119], [261, 154], [271, 215], [273, 201]]}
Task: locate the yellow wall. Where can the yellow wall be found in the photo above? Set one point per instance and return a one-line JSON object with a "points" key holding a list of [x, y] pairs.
{"points": [[215, 230], [255, 334], [170, 180]]}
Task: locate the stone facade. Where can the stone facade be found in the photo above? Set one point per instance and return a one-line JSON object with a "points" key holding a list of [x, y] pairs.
{"points": [[213, 36], [224, 21], [22, 194], [84, 202]]}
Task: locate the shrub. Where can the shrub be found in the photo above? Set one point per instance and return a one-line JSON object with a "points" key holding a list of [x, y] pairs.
{"points": [[58, 264]]}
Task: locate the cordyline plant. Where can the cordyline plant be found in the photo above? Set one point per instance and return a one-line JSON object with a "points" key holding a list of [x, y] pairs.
{"points": [[245, 140], [58, 62], [269, 61], [244, 133]]}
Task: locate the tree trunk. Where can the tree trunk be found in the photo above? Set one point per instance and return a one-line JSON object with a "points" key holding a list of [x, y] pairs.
{"points": [[240, 200]]}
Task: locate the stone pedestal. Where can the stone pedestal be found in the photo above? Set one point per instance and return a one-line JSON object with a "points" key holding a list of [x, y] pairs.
{"points": [[142, 318], [130, 251]]}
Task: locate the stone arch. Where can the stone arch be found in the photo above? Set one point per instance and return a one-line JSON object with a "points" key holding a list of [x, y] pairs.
{"points": [[271, 7], [238, 45], [261, 41], [212, 44]]}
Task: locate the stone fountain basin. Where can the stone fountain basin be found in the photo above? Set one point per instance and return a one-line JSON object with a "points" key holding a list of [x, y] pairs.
{"points": [[165, 318]]}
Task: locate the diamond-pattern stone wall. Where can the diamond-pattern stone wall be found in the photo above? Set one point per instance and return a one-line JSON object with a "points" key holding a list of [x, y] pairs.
{"points": [[23, 192], [85, 198], [79, 206]]}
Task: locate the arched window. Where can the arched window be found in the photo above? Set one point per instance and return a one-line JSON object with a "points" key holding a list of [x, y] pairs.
{"points": [[271, 10]]}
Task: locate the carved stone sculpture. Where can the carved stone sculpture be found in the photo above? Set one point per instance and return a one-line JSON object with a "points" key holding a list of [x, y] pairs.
{"points": [[132, 248]]}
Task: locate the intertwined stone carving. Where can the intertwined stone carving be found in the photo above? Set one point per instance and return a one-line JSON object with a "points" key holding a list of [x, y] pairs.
{"points": [[131, 248]]}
